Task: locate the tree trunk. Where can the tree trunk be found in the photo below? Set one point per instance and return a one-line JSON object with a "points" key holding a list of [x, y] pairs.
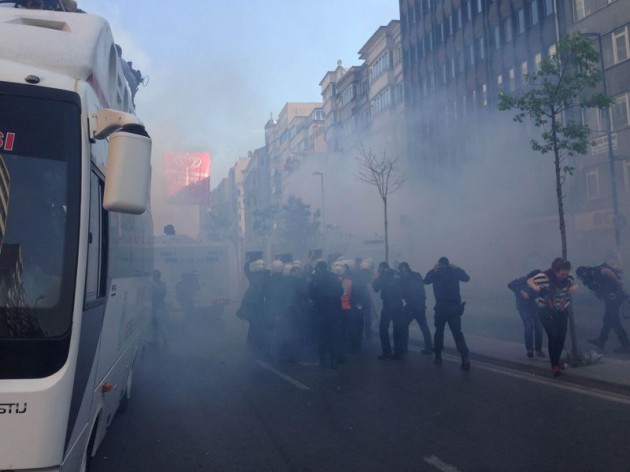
{"points": [[563, 232], [386, 231]]}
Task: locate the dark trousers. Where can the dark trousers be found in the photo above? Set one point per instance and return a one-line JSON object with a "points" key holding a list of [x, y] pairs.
{"points": [[612, 321], [401, 331], [454, 321], [555, 324], [533, 330], [420, 315], [355, 329], [329, 336]]}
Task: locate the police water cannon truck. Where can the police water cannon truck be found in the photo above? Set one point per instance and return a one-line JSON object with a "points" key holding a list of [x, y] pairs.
{"points": [[76, 253]]}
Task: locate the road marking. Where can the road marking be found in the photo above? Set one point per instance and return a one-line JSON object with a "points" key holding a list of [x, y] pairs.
{"points": [[439, 464], [291, 380], [550, 382]]}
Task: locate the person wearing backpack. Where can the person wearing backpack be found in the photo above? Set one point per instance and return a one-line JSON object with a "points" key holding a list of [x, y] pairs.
{"points": [[605, 282], [526, 307]]}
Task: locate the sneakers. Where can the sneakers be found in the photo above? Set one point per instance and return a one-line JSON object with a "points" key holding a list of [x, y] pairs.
{"points": [[597, 343], [437, 360], [530, 354], [465, 364], [556, 370], [540, 354], [625, 349]]}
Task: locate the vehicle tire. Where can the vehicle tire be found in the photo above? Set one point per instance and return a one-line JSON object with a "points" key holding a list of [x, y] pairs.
{"points": [[126, 397]]}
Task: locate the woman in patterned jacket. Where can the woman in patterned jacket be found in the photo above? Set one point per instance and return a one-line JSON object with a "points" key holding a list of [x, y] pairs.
{"points": [[554, 289]]}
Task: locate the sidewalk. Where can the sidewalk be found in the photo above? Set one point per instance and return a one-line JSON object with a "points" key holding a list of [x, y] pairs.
{"points": [[612, 374]]}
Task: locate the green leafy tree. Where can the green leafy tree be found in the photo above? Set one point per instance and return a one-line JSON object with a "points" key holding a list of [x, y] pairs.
{"points": [[385, 174], [564, 83], [298, 226], [220, 224]]}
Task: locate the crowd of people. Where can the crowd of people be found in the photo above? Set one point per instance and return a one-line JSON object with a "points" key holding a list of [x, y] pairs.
{"points": [[329, 308]]}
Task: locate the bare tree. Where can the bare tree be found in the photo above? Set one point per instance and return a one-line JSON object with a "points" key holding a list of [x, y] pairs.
{"points": [[385, 174]]}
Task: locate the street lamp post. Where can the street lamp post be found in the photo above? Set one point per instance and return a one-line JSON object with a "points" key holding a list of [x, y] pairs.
{"points": [[611, 155], [321, 175]]}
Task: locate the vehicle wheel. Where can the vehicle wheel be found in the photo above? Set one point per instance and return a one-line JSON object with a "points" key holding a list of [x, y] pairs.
{"points": [[124, 401]]}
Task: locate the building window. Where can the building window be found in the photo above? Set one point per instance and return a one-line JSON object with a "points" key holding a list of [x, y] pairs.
{"points": [[548, 7], [511, 75], [469, 10], [579, 9], [482, 49], [444, 74], [450, 26], [460, 20], [497, 37], [593, 118], [620, 111], [524, 71], [620, 44], [533, 12], [537, 61], [381, 65], [347, 95], [520, 18], [453, 68], [552, 50], [479, 6], [500, 81], [592, 184], [460, 58], [507, 28], [471, 55], [626, 174], [442, 32], [484, 95]]}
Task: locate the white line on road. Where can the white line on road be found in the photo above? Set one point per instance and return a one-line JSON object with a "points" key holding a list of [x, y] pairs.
{"points": [[590, 391], [291, 380], [439, 464]]}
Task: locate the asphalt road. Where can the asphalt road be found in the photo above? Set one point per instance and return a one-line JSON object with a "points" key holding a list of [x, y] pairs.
{"points": [[208, 404]]}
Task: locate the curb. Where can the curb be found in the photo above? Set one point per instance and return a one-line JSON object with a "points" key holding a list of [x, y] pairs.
{"points": [[570, 375]]}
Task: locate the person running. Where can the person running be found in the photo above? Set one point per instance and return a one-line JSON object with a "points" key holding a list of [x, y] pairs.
{"points": [[554, 289]]}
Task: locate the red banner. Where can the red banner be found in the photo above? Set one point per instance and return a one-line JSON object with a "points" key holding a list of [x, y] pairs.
{"points": [[187, 177]]}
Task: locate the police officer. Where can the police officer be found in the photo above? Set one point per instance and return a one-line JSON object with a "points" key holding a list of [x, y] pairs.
{"points": [[387, 283], [449, 308], [325, 290], [415, 303]]}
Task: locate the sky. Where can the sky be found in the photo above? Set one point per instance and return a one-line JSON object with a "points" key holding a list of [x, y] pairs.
{"points": [[218, 69]]}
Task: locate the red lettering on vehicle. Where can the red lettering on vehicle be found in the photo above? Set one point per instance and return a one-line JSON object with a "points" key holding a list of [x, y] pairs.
{"points": [[7, 141], [10, 139]]}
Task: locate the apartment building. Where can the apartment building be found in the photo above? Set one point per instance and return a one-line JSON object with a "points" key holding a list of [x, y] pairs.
{"points": [[457, 55], [604, 171]]}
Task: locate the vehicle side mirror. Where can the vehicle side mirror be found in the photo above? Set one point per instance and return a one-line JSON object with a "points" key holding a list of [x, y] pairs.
{"points": [[128, 170]]}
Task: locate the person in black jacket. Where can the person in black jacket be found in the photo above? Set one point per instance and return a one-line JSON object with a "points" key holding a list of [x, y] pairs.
{"points": [[325, 290], [449, 308], [415, 303], [526, 306], [605, 282], [388, 284]]}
